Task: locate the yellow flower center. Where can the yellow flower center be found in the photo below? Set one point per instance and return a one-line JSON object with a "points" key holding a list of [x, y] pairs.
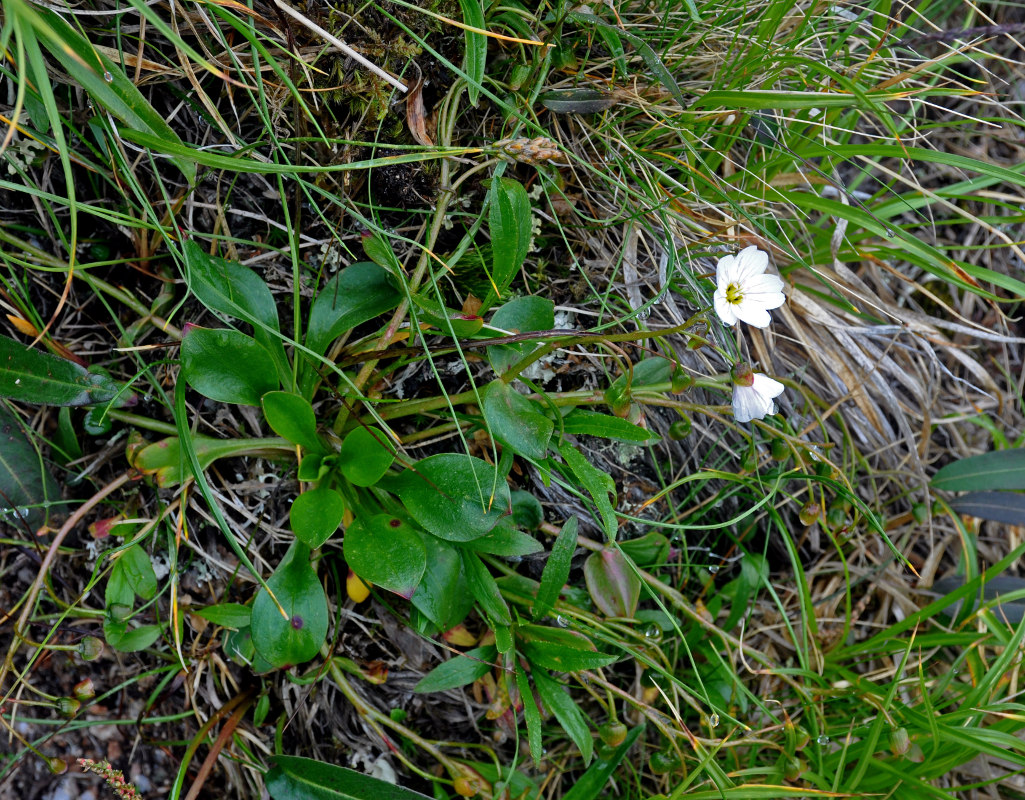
{"points": [[734, 295]]}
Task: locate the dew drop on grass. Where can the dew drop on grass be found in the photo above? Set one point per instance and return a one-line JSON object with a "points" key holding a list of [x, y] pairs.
{"points": [[713, 719], [561, 621], [823, 739], [890, 232], [108, 77], [713, 568], [652, 632]]}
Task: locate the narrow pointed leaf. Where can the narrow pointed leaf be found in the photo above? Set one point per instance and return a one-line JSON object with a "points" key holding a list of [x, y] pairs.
{"points": [[32, 376], [458, 671], [566, 711], [556, 571]]}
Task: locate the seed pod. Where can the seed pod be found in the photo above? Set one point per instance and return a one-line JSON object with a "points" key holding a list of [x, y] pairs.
{"points": [[900, 742], [90, 648], [612, 733], [68, 706], [680, 429], [810, 513], [84, 690]]}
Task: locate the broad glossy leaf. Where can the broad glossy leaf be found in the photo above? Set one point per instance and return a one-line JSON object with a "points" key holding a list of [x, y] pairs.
{"points": [[316, 515], [458, 671], [295, 778], [355, 295], [612, 583], [365, 456], [297, 637], [520, 315], [1000, 469], [237, 291], [566, 712], [559, 649], [516, 421], [509, 222], [292, 417], [32, 376], [130, 640], [137, 570], [227, 366], [166, 461], [651, 548], [607, 426], [443, 595], [556, 571], [454, 496], [106, 82], [26, 485], [505, 540], [386, 551], [476, 48]]}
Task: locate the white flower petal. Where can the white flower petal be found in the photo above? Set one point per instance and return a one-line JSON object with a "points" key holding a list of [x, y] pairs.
{"points": [[753, 314], [724, 309], [756, 401]]}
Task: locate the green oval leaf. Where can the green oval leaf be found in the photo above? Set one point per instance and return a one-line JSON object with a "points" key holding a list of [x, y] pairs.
{"points": [[387, 552], [443, 595], [233, 616], [1000, 469], [455, 496], [566, 711], [612, 583], [32, 376], [516, 421], [355, 295], [291, 417], [365, 456], [519, 315], [27, 488], [296, 778], [298, 636], [315, 516], [227, 366], [509, 223]]}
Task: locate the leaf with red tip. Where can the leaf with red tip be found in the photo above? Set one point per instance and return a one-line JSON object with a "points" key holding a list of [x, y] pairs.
{"points": [[612, 582]]}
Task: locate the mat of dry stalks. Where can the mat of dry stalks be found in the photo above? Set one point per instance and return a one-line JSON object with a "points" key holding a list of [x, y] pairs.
{"points": [[909, 373]]}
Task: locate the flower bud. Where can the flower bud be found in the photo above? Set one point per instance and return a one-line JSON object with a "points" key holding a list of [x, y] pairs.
{"points": [[84, 691], [90, 648], [742, 374], [809, 512], [900, 742], [612, 733], [680, 429]]}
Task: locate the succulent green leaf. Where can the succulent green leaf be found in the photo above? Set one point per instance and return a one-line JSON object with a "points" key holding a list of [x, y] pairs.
{"points": [[454, 496], [292, 417], [298, 636], [516, 421], [386, 551], [316, 515], [227, 366], [443, 595], [366, 454], [509, 222]]}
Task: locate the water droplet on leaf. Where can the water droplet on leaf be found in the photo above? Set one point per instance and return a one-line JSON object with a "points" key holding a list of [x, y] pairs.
{"points": [[713, 720], [823, 739], [108, 77]]}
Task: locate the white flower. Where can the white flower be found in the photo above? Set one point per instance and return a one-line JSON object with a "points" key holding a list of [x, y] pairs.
{"points": [[744, 292], [753, 394]]}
